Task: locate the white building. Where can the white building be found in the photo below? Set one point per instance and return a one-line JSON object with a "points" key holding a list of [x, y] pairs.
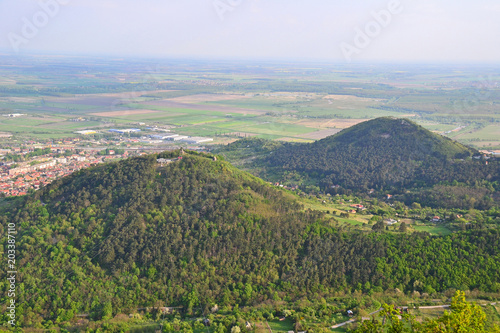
{"points": [[170, 136], [162, 136], [179, 138], [197, 139]]}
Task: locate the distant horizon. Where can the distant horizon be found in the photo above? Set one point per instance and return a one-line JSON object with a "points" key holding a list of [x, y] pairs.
{"points": [[236, 59], [375, 31]]}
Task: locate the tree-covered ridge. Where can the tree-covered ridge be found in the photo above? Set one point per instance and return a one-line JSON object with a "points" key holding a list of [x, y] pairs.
{"points": [[135, 234], [198, 232], [384, 154], [410, 141]]}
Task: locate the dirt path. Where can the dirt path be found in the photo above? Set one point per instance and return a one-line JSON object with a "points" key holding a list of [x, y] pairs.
{"points": [[270, 330], [402, 307]]}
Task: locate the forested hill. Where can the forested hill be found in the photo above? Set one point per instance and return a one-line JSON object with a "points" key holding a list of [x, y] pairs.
{"points": [[193, 232], [384, 153], [409, 140], [197, 232]]}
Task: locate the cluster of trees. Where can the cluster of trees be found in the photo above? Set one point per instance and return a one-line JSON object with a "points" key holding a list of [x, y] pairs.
{"points": [[107, 151], [20, 158], [197, 232], [462, 317], [481, 195]]}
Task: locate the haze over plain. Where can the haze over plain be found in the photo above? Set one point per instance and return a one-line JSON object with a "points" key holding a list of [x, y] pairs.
{"points": [[419, 31]]}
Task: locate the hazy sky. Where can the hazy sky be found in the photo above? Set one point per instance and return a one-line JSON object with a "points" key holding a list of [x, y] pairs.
{"points": [[333, 30]]}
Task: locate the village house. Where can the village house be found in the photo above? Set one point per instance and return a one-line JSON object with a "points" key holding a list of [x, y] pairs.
{"points": [[358, 206], [390, 222]]}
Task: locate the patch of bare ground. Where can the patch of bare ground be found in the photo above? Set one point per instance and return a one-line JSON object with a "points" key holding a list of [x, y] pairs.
{"points": [[321, 134], [330, 123]]}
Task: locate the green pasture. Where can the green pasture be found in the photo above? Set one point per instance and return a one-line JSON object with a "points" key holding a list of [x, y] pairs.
{"points": [[276, 128], [25, 121], [316, 106], [347, 113], [437, 127], [487, 133], [157, 116], [17, 128], [278, 326], [71, 126], [73, 107], [200, 130], [438, 230], [195, 119], [44, 128], [237, 124], [256, 103]]}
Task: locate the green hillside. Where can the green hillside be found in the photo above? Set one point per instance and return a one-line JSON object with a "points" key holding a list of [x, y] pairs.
{"points": [[407, 139], [384, 154], [198, 232]]}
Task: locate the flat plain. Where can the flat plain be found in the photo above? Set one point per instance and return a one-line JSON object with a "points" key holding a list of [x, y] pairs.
{"points": [[300, 102]]}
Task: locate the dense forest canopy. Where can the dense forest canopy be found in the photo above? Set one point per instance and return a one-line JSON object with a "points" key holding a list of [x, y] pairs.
{"points": [[197, 232], [386, 155], [383, 153]]}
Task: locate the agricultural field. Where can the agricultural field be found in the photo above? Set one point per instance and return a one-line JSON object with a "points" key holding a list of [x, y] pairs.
{"points": [[438, 230], [52, 126], [486, 136], [297, 103]]}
